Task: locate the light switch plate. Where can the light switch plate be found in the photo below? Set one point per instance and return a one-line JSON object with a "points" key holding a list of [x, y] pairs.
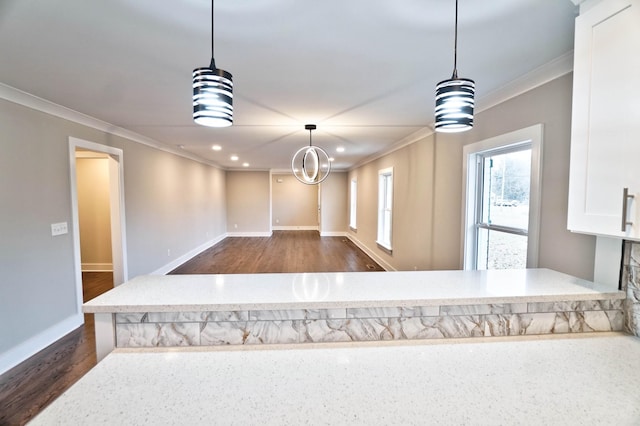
{"points": [[59, 228]]}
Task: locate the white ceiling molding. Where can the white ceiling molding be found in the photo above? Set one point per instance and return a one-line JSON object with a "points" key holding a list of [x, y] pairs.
{"points": [[548, 72], [539, 76], [408, 140], [542, 75], [28, 100]]}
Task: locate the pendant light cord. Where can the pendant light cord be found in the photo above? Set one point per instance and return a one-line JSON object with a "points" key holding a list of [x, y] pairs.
{"points": [[213, 61], [212, 24], [455, 47], [310, 144]]}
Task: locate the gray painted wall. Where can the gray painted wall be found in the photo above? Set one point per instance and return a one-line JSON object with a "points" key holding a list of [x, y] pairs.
{"points": [[175, 204], [248, 202], [293, 203], [334, 203], [172, 203], [428, 188]]}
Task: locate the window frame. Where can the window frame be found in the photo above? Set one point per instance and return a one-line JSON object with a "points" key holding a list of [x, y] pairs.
{"points": [[532, 136], [385, 204]]}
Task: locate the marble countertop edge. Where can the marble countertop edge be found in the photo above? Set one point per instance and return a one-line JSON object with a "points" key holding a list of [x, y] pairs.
{"points": [[354, 304]]}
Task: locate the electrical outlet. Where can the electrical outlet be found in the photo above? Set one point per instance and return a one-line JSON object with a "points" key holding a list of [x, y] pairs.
{"points": [[235, 225], [59, 229], [168, 252]]}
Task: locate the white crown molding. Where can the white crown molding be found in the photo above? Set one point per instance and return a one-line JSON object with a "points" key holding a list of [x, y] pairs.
{"points": [[28, 100], [407, 140], [539, 76], [550, 71]]}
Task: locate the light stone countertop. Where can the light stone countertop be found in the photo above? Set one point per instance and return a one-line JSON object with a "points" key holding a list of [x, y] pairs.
{"points": [[182, 293], [551, 380]]}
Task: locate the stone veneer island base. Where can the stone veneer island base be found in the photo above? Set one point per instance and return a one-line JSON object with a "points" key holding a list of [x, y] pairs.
{"points": [[209, 310]]}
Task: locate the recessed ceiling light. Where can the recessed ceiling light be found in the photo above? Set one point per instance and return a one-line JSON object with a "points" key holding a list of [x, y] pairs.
{"points": [[340, 149], [216, 148], [234, 158], [245, 164], [332, 159]]}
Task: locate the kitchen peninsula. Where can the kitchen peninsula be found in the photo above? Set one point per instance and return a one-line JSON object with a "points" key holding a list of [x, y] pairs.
{"points": [[211, 310]]}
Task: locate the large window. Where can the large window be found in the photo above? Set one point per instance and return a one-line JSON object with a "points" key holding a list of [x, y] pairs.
{"points": [[502, 215], [353, 203], [385, 207], [502, 201]]}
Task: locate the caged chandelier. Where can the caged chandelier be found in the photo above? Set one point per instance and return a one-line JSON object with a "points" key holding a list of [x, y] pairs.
{"points": [[212, 93], [455, 97], [310, 164]]}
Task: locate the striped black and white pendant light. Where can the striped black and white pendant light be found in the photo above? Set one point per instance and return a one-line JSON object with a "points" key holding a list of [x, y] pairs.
{"points": [[455, 98]]}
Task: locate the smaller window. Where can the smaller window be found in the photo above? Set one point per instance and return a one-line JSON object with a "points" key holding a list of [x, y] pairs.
{"points": [[385, 207], [353, 205]]}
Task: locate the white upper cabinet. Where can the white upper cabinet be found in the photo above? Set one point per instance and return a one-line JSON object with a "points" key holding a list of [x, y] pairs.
{"points": [[605, 132]]}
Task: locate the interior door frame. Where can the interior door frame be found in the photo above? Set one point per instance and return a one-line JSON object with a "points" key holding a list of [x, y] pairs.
{"points": [[118, 228]]}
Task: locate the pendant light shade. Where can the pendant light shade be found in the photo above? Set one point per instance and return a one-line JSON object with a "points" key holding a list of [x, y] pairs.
{"points": [[212, 93], [454, 105], [310, 164], [455, 98]]}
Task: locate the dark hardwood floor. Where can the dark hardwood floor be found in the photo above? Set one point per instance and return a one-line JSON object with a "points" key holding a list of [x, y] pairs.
{"points": [[32, 385], [284, 251], [29, 387]]}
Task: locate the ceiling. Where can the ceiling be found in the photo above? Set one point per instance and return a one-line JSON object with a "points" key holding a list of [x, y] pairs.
{"points": [[364, 71]]}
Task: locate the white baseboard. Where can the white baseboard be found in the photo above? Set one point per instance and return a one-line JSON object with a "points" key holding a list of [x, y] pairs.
{"points": [[97, 267], [386, 266], [249, 234], [187, 256], [334, 234], [295, 228], [35, 344]]}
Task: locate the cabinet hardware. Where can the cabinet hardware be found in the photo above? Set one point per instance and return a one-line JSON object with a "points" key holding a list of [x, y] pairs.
{"points": [[625, 200]]}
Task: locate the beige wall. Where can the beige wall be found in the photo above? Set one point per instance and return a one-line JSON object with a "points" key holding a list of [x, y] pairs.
{"points": [[171, 203], [248, 202], [334, 204], [550, 105], [294, 204], [94, 213], [174, 204], [412, 195], [428, 195]]}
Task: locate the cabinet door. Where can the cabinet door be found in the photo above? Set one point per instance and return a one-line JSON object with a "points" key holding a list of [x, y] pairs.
{"points": [[605, 133]]}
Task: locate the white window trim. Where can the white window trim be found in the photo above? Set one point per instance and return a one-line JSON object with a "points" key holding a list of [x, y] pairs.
{"points": [[353, 204], [379, 242], [532, 135]]}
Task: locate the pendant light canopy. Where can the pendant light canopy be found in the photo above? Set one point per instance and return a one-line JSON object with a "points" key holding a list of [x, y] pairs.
{"points": [[212, 93], [455, 97], [310, 164]]}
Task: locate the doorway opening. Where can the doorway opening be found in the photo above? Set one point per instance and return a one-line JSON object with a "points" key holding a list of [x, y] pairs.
{"points": [[97, 195]]}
